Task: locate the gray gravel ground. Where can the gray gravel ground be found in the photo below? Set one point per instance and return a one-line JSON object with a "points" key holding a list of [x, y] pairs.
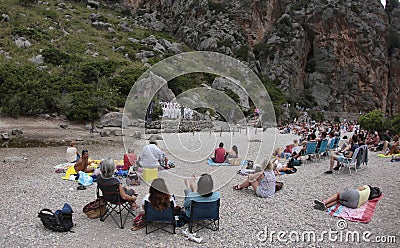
{"points": [[28, 187]]}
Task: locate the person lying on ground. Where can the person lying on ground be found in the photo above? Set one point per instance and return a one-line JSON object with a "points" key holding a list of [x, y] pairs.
{"points": [[351, 198]]}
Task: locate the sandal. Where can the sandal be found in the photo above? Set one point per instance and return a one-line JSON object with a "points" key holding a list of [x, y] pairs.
{"points": [[237, 187]]}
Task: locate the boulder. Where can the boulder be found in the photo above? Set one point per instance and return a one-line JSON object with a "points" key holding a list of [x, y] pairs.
{"points": [[113, 119], [15, 159], [5, 18], [64, 126], [16, 131], [105, 133], [93, 4], [21, 42], [156, 137]]}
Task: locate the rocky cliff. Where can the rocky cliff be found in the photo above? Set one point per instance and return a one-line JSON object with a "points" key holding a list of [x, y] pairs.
{"points": [[342, 53]]}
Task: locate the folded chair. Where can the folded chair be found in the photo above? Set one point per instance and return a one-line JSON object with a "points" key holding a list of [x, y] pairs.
{"points": [[159, 219], [362, 157], [354, 161], [204, 215], [116, 206]]}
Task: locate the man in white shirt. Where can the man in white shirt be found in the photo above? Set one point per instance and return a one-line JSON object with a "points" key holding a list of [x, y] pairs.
{"points": [[151, 156]]}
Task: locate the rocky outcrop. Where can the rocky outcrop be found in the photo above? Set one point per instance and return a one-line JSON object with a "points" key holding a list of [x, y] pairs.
{"points": [[337, 51], [334, 51], [394, 58], [225, 83]]}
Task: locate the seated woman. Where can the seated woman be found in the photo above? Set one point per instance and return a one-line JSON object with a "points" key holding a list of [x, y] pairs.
{"points": [[262, 182], [129, 159], [351, 198], [232, 153], [158, 195], [107, 169], [202, 192], [72, 154], [394, 148]]}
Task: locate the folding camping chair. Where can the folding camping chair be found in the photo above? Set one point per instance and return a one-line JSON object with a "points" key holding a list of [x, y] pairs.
{"points": [[159, 219], [204, 215], [115, 204]]}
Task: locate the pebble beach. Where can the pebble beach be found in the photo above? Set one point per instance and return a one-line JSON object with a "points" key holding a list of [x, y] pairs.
{"points": [[245, 219]]}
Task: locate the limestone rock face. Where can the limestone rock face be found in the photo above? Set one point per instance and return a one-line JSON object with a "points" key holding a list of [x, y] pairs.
{"points": [[333, 51], [223, 83]]}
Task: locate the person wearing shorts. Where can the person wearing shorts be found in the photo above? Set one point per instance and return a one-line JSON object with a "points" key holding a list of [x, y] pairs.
{"points": [[262, 182], [350, 149], [351, 198]]}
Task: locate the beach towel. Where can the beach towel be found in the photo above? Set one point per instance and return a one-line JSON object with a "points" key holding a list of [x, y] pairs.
{"points": [[387, 156], [362, 214], [212, 163]]}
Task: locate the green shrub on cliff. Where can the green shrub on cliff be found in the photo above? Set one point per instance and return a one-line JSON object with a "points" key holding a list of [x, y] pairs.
{"points": [[374, 120]]}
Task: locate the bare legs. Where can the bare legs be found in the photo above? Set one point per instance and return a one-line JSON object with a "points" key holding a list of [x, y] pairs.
{"points": [[324, 204], [191, 183], [251, 181], [332, 200]]}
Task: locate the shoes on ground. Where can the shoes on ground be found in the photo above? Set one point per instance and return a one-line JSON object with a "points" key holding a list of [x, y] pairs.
{"points": [[320, 205]]}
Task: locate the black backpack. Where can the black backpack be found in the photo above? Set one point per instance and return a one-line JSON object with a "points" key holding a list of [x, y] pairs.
{"points": [[60, 221]]}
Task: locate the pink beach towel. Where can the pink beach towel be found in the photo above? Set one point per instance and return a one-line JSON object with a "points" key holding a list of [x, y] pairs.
{"points": [[362, 214]]}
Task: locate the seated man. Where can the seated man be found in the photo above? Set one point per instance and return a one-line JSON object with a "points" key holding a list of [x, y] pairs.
{"points": [[219, 154], [83, 162], [374, 141], [341, 155], [152, 156]]}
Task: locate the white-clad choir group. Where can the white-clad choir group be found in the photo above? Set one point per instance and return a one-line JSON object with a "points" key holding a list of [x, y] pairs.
{"points": [[174, 110]]}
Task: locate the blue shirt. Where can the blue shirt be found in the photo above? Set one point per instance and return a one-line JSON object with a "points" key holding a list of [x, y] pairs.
{"points": [[194, 196]]}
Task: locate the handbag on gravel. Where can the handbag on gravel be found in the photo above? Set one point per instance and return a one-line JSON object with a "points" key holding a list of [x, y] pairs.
{"points": [[95, 208]]}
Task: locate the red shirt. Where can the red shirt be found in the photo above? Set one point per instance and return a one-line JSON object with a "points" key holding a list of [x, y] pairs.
{"points": [[219, 155], [129, 160]]}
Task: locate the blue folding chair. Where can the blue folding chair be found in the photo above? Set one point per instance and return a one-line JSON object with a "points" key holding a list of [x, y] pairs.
{"points": [[311, 149], [323, 148], [159, 219], [204, 215], [354, 161]]}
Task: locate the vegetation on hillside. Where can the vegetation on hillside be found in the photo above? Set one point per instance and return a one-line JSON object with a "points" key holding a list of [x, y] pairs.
{"points": [[83, 72], [376, 121]]}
